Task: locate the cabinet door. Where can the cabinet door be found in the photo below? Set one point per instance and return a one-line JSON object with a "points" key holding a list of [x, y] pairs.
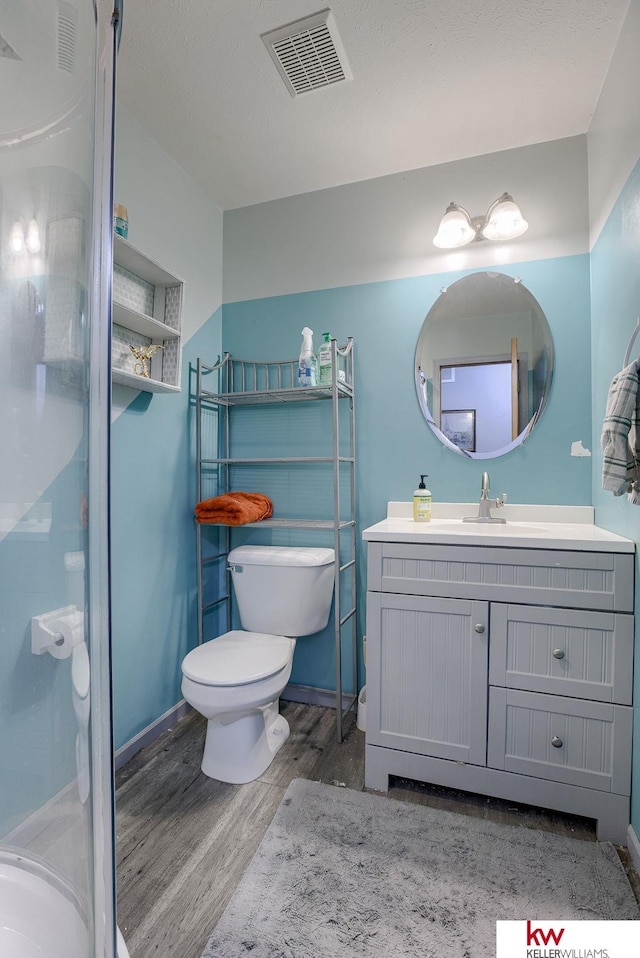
{"points": [[427, 662], [587, 655]]}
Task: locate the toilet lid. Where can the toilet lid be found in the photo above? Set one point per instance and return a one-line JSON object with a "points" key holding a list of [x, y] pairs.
{"points": [[237, 658], [294, 556]]}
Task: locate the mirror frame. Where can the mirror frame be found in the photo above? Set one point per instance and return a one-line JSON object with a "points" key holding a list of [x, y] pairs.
{"points": [[548, 347]]}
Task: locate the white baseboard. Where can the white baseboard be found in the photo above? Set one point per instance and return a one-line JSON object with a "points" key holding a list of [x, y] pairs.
{"points": [[56, 810], [28, 830], [151, 733], [633, 844], [308, 695], [26, 833]]}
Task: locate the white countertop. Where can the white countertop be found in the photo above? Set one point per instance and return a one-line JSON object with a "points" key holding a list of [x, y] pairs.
{"points": [[527, 526]]}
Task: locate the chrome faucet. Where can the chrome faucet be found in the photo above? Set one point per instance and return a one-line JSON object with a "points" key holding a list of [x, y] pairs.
{"points": [[485, 504]]}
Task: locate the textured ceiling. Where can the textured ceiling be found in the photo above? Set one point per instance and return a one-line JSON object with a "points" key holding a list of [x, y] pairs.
{"points": [[433, 81]]}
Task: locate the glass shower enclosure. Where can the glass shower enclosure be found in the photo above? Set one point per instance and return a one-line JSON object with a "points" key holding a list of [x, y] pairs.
{"points": [[56, 794]]}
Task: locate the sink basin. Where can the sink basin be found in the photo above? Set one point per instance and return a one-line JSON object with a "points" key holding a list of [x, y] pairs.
{"points": [[458, 526], [505, 528]]}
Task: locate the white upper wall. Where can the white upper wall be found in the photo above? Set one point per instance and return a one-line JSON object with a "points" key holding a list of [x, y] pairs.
{"points": [[382, 229], [172, 221], [614, 135]]}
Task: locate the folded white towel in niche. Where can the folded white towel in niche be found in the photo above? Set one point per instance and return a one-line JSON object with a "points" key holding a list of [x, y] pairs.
{"points": [[621, 463]]}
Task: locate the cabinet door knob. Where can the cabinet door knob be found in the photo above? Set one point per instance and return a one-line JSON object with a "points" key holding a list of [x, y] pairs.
{"points": [[556, 742], [558, 653], [479, 627]]}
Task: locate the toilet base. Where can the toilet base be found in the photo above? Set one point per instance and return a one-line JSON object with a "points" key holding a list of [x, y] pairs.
{"points": [[242, 750]]}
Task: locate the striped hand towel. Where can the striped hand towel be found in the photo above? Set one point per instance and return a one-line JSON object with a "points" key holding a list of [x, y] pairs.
{"points": [[621, 465]]}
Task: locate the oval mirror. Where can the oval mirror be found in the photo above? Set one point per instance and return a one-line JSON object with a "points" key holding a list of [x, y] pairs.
{"points": [[484, 364]]}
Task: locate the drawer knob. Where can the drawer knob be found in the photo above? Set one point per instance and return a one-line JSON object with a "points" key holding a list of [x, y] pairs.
{"points": [[558, 653], [479, 627], [556, 742]]}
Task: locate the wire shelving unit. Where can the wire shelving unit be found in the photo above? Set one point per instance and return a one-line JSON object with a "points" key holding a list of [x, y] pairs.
{"points": [[232, 383]]}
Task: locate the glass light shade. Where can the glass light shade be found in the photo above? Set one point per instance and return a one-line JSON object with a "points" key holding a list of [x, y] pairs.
{"points": [[33, 237], [455, 228], [504, 220], [16, 237]]}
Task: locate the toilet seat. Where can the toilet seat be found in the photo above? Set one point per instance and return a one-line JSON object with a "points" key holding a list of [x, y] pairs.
{"points": [[238, 658]]}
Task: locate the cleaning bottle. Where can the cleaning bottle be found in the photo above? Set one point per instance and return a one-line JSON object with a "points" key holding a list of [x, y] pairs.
{"points": [[325, 370], [307, 365], [422, 502]]}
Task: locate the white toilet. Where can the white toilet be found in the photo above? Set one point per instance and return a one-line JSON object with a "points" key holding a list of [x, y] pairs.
{"points": [[235, 680]]}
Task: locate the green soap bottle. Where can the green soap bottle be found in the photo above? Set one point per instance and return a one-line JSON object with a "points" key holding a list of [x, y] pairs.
{"points": [[422, 502], [325, 365]]}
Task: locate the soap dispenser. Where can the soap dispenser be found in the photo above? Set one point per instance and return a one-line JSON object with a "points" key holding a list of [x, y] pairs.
{"points": [[422, 502]]}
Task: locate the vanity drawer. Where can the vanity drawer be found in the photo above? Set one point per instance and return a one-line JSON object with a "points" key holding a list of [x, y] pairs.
{"points": [[560, 739], [581, 654], [582, 580]]}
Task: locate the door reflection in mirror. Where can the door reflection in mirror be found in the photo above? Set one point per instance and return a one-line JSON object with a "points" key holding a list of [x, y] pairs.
{"points": [[484, 389], [484, 363]]}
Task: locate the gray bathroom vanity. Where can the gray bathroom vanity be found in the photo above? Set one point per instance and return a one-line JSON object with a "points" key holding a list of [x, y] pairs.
{"points": [[500, 658]]}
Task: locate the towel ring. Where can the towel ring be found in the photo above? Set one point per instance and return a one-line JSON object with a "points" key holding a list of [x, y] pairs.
{"points": [[627, 355]]}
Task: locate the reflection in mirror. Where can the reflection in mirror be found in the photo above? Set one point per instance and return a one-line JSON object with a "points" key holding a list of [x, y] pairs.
{"points": [[27, 339], [484, 364]]}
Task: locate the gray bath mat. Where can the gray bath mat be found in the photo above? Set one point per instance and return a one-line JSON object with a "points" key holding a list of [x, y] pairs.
{"points": [[341, 873]]}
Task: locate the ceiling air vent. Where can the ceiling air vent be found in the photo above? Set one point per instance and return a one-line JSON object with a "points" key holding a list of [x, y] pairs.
{"points": [[67, 19], [308, 53]]}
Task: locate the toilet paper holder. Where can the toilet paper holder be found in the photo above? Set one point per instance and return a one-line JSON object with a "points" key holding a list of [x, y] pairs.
{"points": [[57, 632]]}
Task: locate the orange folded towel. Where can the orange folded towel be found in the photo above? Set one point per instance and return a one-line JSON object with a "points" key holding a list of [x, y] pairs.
{"points": [[234, 508]]}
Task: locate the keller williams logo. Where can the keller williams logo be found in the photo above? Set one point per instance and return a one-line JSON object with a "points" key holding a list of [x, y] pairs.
{"points": [[536, 936]]}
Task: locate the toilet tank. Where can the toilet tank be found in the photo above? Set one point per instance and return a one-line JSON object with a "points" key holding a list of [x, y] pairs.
{"points": [[283, 590]]}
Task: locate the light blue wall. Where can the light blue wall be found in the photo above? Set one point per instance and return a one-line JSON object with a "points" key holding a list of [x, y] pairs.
{"points": [[39, 728], [153, 547], [43, 432], [614, 214], [394, 444], [615, 307], [152, 458]]}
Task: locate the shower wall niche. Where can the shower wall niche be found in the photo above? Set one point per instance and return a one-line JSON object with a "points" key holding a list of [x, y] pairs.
{"points": [[147, 312]]}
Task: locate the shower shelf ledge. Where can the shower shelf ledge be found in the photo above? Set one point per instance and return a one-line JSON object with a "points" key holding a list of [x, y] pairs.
{"points": [[143, 324], [124, 378]]}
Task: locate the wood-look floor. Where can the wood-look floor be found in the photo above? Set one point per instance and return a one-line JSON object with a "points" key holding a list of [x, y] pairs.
{"points": [[184, 840]]}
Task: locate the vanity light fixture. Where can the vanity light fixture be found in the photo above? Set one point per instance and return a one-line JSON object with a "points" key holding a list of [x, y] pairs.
{"points": [[32, 238], [502, 221], [16, 237], [21, 239]]}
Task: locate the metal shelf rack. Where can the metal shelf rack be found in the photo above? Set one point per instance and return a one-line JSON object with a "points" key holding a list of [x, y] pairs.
{"points": [[233, 383]]}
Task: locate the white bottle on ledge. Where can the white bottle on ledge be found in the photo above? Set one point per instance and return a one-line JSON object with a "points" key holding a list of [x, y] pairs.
{"points": [[307, 365]]}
